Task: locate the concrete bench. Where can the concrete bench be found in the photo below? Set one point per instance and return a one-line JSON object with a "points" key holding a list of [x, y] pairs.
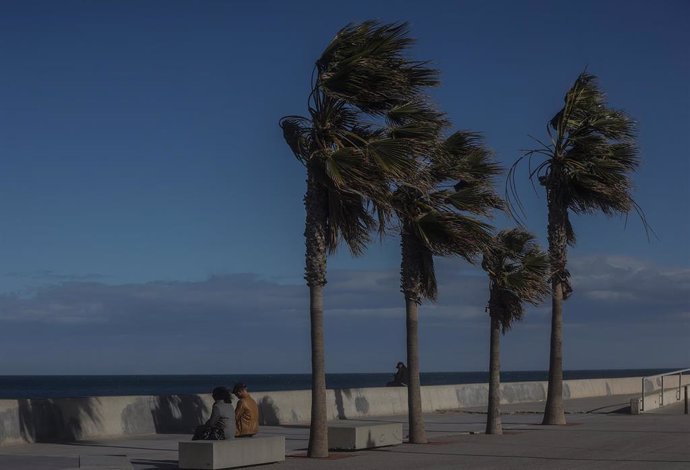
{"points": [[355, 436], [104, 462], [232, 453]]}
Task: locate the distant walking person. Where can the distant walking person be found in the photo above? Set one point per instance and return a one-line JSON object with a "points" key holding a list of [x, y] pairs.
{"points": [[219, 425], [246, 412], [401, 377]]}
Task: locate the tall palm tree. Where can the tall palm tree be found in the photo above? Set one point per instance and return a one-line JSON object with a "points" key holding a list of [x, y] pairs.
{"points": [[440, 219], [350, 152], [586, 167], [518, 273]]}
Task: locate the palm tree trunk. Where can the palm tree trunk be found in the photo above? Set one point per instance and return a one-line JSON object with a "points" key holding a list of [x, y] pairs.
{"points": [[558, 241], [411, 287], [414, 389], [554, 412], [493, 415], [315, 202], [318, 430]]}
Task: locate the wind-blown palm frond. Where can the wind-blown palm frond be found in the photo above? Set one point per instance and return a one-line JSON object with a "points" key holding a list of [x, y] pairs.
{"points": [[365, 65], [297, 134], [415, 111]]}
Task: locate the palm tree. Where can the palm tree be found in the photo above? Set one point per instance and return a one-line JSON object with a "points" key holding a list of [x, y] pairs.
{"points": [[350, 153], [586, 167], [441, 219], [518, 273]]}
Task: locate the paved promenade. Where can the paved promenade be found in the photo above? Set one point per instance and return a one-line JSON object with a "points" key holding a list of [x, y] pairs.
{"points": [[598, 436]]}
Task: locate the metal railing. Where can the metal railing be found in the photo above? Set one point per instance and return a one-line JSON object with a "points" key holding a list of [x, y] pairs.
{"points": [[679, 373]]}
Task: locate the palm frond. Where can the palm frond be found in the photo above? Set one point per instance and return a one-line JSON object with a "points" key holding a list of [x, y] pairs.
{"points": [[349, 218], [475, 199], [447, 233], [417, 111], [296, 132], [365, 65], [392, 156]]}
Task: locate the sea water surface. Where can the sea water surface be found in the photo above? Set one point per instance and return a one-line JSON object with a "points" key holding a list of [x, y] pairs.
{"points": [[55, 386]]}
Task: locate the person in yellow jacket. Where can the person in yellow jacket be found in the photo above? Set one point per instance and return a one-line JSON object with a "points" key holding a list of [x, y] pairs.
{"points": [[246, 412]]}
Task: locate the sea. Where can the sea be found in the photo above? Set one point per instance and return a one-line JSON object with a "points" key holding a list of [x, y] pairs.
{"points": [[60, 386]]}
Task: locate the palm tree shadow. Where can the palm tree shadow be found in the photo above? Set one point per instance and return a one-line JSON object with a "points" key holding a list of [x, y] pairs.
{"points": [[43, 420], [178, 414]]}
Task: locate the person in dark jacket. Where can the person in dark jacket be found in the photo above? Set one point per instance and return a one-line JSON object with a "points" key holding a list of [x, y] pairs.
{"points": [[401, 377]]}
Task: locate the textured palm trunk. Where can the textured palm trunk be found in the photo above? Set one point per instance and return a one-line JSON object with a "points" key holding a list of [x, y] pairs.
{"points": [[554, 412], [414, 389], [558, 240], [315, 202], [411, 288], [318, 430], [493, 412]]}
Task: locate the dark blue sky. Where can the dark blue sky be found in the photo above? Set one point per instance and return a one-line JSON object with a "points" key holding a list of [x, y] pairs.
{"points": [[152, 215]]}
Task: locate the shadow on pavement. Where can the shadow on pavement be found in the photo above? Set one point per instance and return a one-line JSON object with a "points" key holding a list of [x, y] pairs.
{"points": [[155, 464]]}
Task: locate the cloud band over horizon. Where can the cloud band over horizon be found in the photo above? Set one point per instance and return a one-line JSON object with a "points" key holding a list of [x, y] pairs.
{"points": [[624, 314]]}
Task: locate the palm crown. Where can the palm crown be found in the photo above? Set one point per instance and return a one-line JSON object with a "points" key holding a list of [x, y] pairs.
{"points": [[518, 272], [366, 125], [591, 154], [442, 217], [595, 151]]}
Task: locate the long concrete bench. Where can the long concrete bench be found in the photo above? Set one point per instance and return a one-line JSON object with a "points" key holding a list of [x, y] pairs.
{"points": [[356, 436], [232, 453]]}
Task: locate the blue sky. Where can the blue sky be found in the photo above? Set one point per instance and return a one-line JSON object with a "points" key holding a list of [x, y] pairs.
{"points": [[152, 215]]}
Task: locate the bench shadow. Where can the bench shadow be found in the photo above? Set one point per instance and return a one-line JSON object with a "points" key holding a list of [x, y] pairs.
{"points": [[113, 446], [151, 464]]}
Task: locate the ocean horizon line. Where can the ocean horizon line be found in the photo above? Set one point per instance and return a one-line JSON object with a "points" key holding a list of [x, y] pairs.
{"points": [[72, 386], [254, 374]]}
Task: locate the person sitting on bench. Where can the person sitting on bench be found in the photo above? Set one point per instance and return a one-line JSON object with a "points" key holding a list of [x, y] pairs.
{"points": [[219, 425], [246, 412]]}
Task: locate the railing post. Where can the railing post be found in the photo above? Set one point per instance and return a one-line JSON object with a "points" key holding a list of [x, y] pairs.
{"points": [[661, 401], [680, 384], [686, 399], [642, 407]]}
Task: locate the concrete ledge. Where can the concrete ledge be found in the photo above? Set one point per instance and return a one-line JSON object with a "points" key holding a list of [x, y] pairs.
{"points": [[233, 453], [351, 436]]}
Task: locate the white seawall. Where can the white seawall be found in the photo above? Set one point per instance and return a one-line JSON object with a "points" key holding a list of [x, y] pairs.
{"points": [[67, 419]]}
